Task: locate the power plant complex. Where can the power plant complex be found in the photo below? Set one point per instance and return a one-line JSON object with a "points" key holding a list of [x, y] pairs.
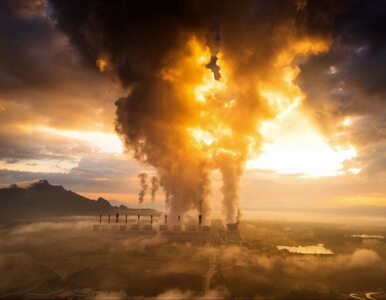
{"points": [[183, 225], [159, 224]]}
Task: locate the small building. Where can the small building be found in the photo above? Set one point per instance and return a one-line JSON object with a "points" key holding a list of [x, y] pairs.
{"points": [[177, 227], [148, 227], [233, 227], [206, 228], [192, 227], [135, 226], [163, 227]]}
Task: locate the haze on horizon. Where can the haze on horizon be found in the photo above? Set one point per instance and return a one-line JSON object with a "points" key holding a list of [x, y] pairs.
{"points": [[305, 79]]}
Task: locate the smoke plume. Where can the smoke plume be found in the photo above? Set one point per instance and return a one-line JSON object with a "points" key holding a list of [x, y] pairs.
{"points": [[154, 187], [202, 76], [144, 187]]}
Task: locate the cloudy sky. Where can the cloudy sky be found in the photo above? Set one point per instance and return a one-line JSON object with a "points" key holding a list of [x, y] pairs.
{"points": [[323, 144]]}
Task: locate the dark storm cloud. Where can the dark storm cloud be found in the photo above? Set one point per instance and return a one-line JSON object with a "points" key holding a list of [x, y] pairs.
{"points": [[42, 76], [23, 8], [134, 33], [349, 81], [33, 54]]}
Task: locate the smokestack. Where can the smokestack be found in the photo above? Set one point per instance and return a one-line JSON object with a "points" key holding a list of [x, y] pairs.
{"points": [[108, 220], [117, 218], [151, 219], [139, 217], [126, 219], [100, 218], [199, 220], [166, 219], [179, 218]]}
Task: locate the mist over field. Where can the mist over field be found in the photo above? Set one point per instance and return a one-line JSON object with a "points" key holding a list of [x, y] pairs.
{"points": [[65, 258]]}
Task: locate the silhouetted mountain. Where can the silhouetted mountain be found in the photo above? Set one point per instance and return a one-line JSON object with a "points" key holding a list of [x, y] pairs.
{"points": [[43, 199]]}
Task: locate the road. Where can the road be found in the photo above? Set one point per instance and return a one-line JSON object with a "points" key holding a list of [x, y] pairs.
{"points": [[367, 296], [210, 273]]}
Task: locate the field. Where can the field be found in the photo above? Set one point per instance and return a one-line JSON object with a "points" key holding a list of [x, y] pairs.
{"points": [[67, 259]]}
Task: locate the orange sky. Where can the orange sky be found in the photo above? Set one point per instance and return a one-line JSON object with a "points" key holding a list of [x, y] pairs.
{"points": [[57, 118]]}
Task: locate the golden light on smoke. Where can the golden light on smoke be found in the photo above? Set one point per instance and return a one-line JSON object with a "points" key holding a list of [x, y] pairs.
{"points": [[292, 144], [206, 127], [300, 149], [221, 117], [201, 136], [102, 64]]}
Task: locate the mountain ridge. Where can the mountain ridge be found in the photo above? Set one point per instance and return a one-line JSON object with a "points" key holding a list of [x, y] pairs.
{"points": [[41, 199]]}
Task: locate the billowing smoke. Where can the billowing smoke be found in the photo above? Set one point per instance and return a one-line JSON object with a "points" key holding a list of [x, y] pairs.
{"points": [[202, 76], [167, 200], [144, 187], [154, 187]]}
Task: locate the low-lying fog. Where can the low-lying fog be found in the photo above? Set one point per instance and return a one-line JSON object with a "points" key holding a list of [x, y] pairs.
{"points": [[65, 258], [317, 249]]}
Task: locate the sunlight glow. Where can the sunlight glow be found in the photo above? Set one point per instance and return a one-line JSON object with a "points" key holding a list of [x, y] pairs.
{"points": [[347, 122], [295, 146], [313, 160], [101, 141]]}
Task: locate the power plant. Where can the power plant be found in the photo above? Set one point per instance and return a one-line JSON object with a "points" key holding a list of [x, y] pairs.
{"points": [[184, 226], [150, 224]]}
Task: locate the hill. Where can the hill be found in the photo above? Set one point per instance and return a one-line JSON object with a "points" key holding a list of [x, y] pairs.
{"points": [[41, 199]]}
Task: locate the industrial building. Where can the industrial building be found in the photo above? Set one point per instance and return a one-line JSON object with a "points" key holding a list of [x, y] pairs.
{"points": [[183, 231]]}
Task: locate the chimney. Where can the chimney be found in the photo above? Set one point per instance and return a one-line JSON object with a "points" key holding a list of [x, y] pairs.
{"points": [[139, 217], [179, 218], [126, 219], [151, 219], [166, 219], [116, 218], [100, 218], [108, 220], [199, 220]]}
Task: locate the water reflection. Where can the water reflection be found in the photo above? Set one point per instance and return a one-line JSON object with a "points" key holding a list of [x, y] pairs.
{"points": [[367, 236], [317, 249]]}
